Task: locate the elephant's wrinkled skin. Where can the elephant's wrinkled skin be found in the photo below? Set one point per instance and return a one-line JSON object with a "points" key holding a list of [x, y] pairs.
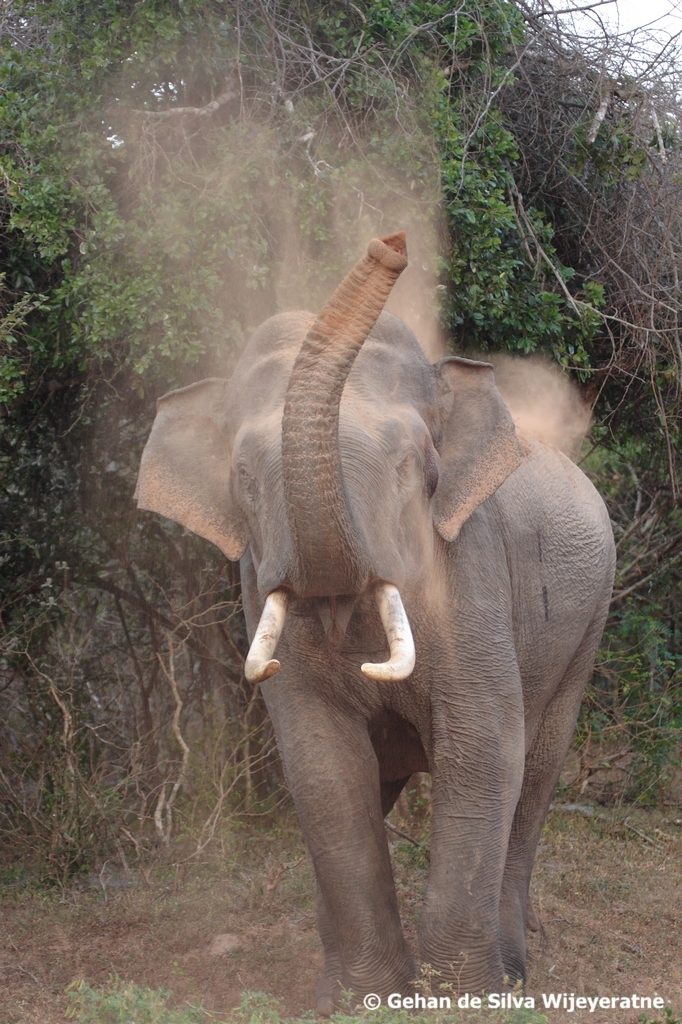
{"points": [[384, 468]]}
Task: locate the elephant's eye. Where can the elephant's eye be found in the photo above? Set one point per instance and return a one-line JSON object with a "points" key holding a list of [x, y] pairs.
{"points": [[416, 471], [407, 468], [431, 478], [430, 471], [247, 483]]}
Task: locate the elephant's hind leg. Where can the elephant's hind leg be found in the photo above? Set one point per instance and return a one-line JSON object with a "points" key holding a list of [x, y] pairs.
{"points": [[543, 765]]}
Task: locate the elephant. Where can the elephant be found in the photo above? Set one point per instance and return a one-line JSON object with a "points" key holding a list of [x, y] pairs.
{"points": [[435, 587]]}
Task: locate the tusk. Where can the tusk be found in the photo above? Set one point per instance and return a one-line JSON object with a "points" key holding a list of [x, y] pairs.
{"points": [[399, 636], [260, 664]]}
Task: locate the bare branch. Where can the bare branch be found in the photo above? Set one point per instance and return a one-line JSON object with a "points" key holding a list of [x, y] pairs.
{"points": [[178, 112], [602, 111]]}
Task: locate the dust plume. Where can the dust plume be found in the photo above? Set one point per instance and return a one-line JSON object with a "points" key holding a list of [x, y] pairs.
{"points": [[379, 201], [416, 295], [545, 404]]}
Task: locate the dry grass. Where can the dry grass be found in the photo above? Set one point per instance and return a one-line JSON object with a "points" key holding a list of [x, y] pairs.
{"points": [[605, 893]]}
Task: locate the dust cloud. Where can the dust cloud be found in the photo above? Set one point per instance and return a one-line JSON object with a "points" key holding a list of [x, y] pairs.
{"points": [[379, 202], [545, 404], [308, 231], [415, 297]]}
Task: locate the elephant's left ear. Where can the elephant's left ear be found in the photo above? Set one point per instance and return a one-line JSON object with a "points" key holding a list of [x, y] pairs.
{"points": [[479, 447], [185, 467]]}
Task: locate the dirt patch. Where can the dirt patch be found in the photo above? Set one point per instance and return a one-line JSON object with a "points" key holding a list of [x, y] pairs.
{"points": [[606, 892], [608, 895]]}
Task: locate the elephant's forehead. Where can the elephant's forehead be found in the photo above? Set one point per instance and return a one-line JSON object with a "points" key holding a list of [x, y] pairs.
{"points": [[390, 365], [363, 428], [386, 425]]}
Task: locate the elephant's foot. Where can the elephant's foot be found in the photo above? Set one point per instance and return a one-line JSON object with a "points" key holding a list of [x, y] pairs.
{"points": [[331, 987], [513, 951], [327, 994], [534, 923], [514, 967], [462, 964], [513, 916]]}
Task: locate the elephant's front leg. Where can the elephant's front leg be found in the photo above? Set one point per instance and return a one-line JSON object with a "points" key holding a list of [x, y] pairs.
{"points": [[329, 985], [333, 775], [477, 774]]}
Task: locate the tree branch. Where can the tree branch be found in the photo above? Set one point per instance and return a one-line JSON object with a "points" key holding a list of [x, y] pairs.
{"points": [[230, 93]]}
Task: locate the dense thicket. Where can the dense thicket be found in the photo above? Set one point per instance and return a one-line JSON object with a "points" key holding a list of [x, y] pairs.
{"points": [[173, 172]]}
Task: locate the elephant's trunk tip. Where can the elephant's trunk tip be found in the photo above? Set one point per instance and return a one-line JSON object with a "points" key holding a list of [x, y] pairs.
{"points": [[390, 251]]}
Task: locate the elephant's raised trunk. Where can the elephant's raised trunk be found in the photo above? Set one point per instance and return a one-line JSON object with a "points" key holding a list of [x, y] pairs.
{"points": [[331, 552]]}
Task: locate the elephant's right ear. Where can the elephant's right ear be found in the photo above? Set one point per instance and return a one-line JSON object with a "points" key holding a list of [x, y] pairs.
{"points": [[185, 467]]}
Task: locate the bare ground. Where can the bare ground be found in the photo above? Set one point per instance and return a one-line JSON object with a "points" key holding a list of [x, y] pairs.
{"points": [[607, 892]]}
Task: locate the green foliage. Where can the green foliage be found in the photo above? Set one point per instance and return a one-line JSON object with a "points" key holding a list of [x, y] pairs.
{"points": [[141, 236], [633, 702], [669, 1017], [412, 855], [498, 298], [123, 1003], [13, 371]]}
